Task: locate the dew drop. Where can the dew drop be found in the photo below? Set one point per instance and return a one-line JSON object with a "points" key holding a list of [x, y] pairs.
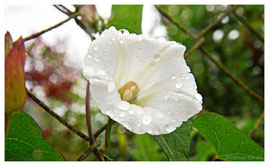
{"points": [[198, 97], [173, 77], [113, 38], [161, 39], [131, 112], [166, 97], [123, 105], [170, 127], [146, 119], [139, 110], [187, 78], [168, 113], [110, 86], [101, 72], [160, 115], [96, 59], [122, 114], [178, 85], [95, 48], [121, 41]]}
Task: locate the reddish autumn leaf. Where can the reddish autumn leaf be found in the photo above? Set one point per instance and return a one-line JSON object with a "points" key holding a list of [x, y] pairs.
{"points": [[8, 43], [15, 92]]}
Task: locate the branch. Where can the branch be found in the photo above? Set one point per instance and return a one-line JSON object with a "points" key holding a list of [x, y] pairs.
{"points": [[35, 35], [217, 21], [99, 131], [197, 45], [258, 123], [219, 64], [96, 144], [83, 26], [248, 26], [61, 120]]}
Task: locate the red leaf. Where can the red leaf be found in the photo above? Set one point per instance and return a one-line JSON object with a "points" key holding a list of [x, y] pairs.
{"points": [[8, 43], [15, 91]]}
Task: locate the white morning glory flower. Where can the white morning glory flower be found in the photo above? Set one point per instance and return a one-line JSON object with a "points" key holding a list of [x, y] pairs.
{"points": [[142, 83]]}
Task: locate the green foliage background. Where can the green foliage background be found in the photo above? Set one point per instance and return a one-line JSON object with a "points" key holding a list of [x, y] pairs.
{"points": [[244, 57]]}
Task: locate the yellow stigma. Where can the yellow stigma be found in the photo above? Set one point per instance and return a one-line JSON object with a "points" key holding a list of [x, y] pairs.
{"points": [[129, 91]]}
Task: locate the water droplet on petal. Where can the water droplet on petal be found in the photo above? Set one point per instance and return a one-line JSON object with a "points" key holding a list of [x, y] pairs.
{"points": [[110, 86], [123, 105], [168, 113], [113, 38], [96, 59], [122, 114], [146, 119], [166, 97], [161, 39], [187, 78], [198, 97], [173, 77], [178, 85], [131, 112], [101, 72], [170, 127], [139, 110], [160, 115], [95, 48]]}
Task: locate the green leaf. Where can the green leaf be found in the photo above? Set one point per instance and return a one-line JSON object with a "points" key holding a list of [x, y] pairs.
{"points": [[230, 142], [126, 17], [15, 91], [204, 150], [176, 145], [146, 149], [25, 141]]}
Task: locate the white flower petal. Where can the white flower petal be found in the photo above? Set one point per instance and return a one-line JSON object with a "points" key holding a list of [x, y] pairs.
{"points": [[167, 90]]}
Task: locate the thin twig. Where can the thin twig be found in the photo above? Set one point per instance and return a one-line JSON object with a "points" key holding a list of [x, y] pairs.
{"points": [[96, 144], [64, 122], [99, 131], [217, 21], [219, 64], [248, 26], [258, 123], [79, 23], [197, 44], [35, 35], [63, 9], [229, 74]]}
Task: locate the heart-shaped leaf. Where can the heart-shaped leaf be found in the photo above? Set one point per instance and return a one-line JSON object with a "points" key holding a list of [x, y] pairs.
{"points": [[230, 142], [25, 141]]}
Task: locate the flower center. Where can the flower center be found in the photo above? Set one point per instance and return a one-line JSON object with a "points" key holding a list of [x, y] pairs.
{"points": [[129, 91]]}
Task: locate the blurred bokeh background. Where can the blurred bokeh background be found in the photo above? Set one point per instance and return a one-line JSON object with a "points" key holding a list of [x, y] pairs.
{"points": [[53, 73]]}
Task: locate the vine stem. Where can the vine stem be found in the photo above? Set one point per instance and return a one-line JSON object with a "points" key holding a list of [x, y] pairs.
{"points": [[35, 35], [88, 152], [88, 121], [88, 113], [258, 123], [55, 115]]}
